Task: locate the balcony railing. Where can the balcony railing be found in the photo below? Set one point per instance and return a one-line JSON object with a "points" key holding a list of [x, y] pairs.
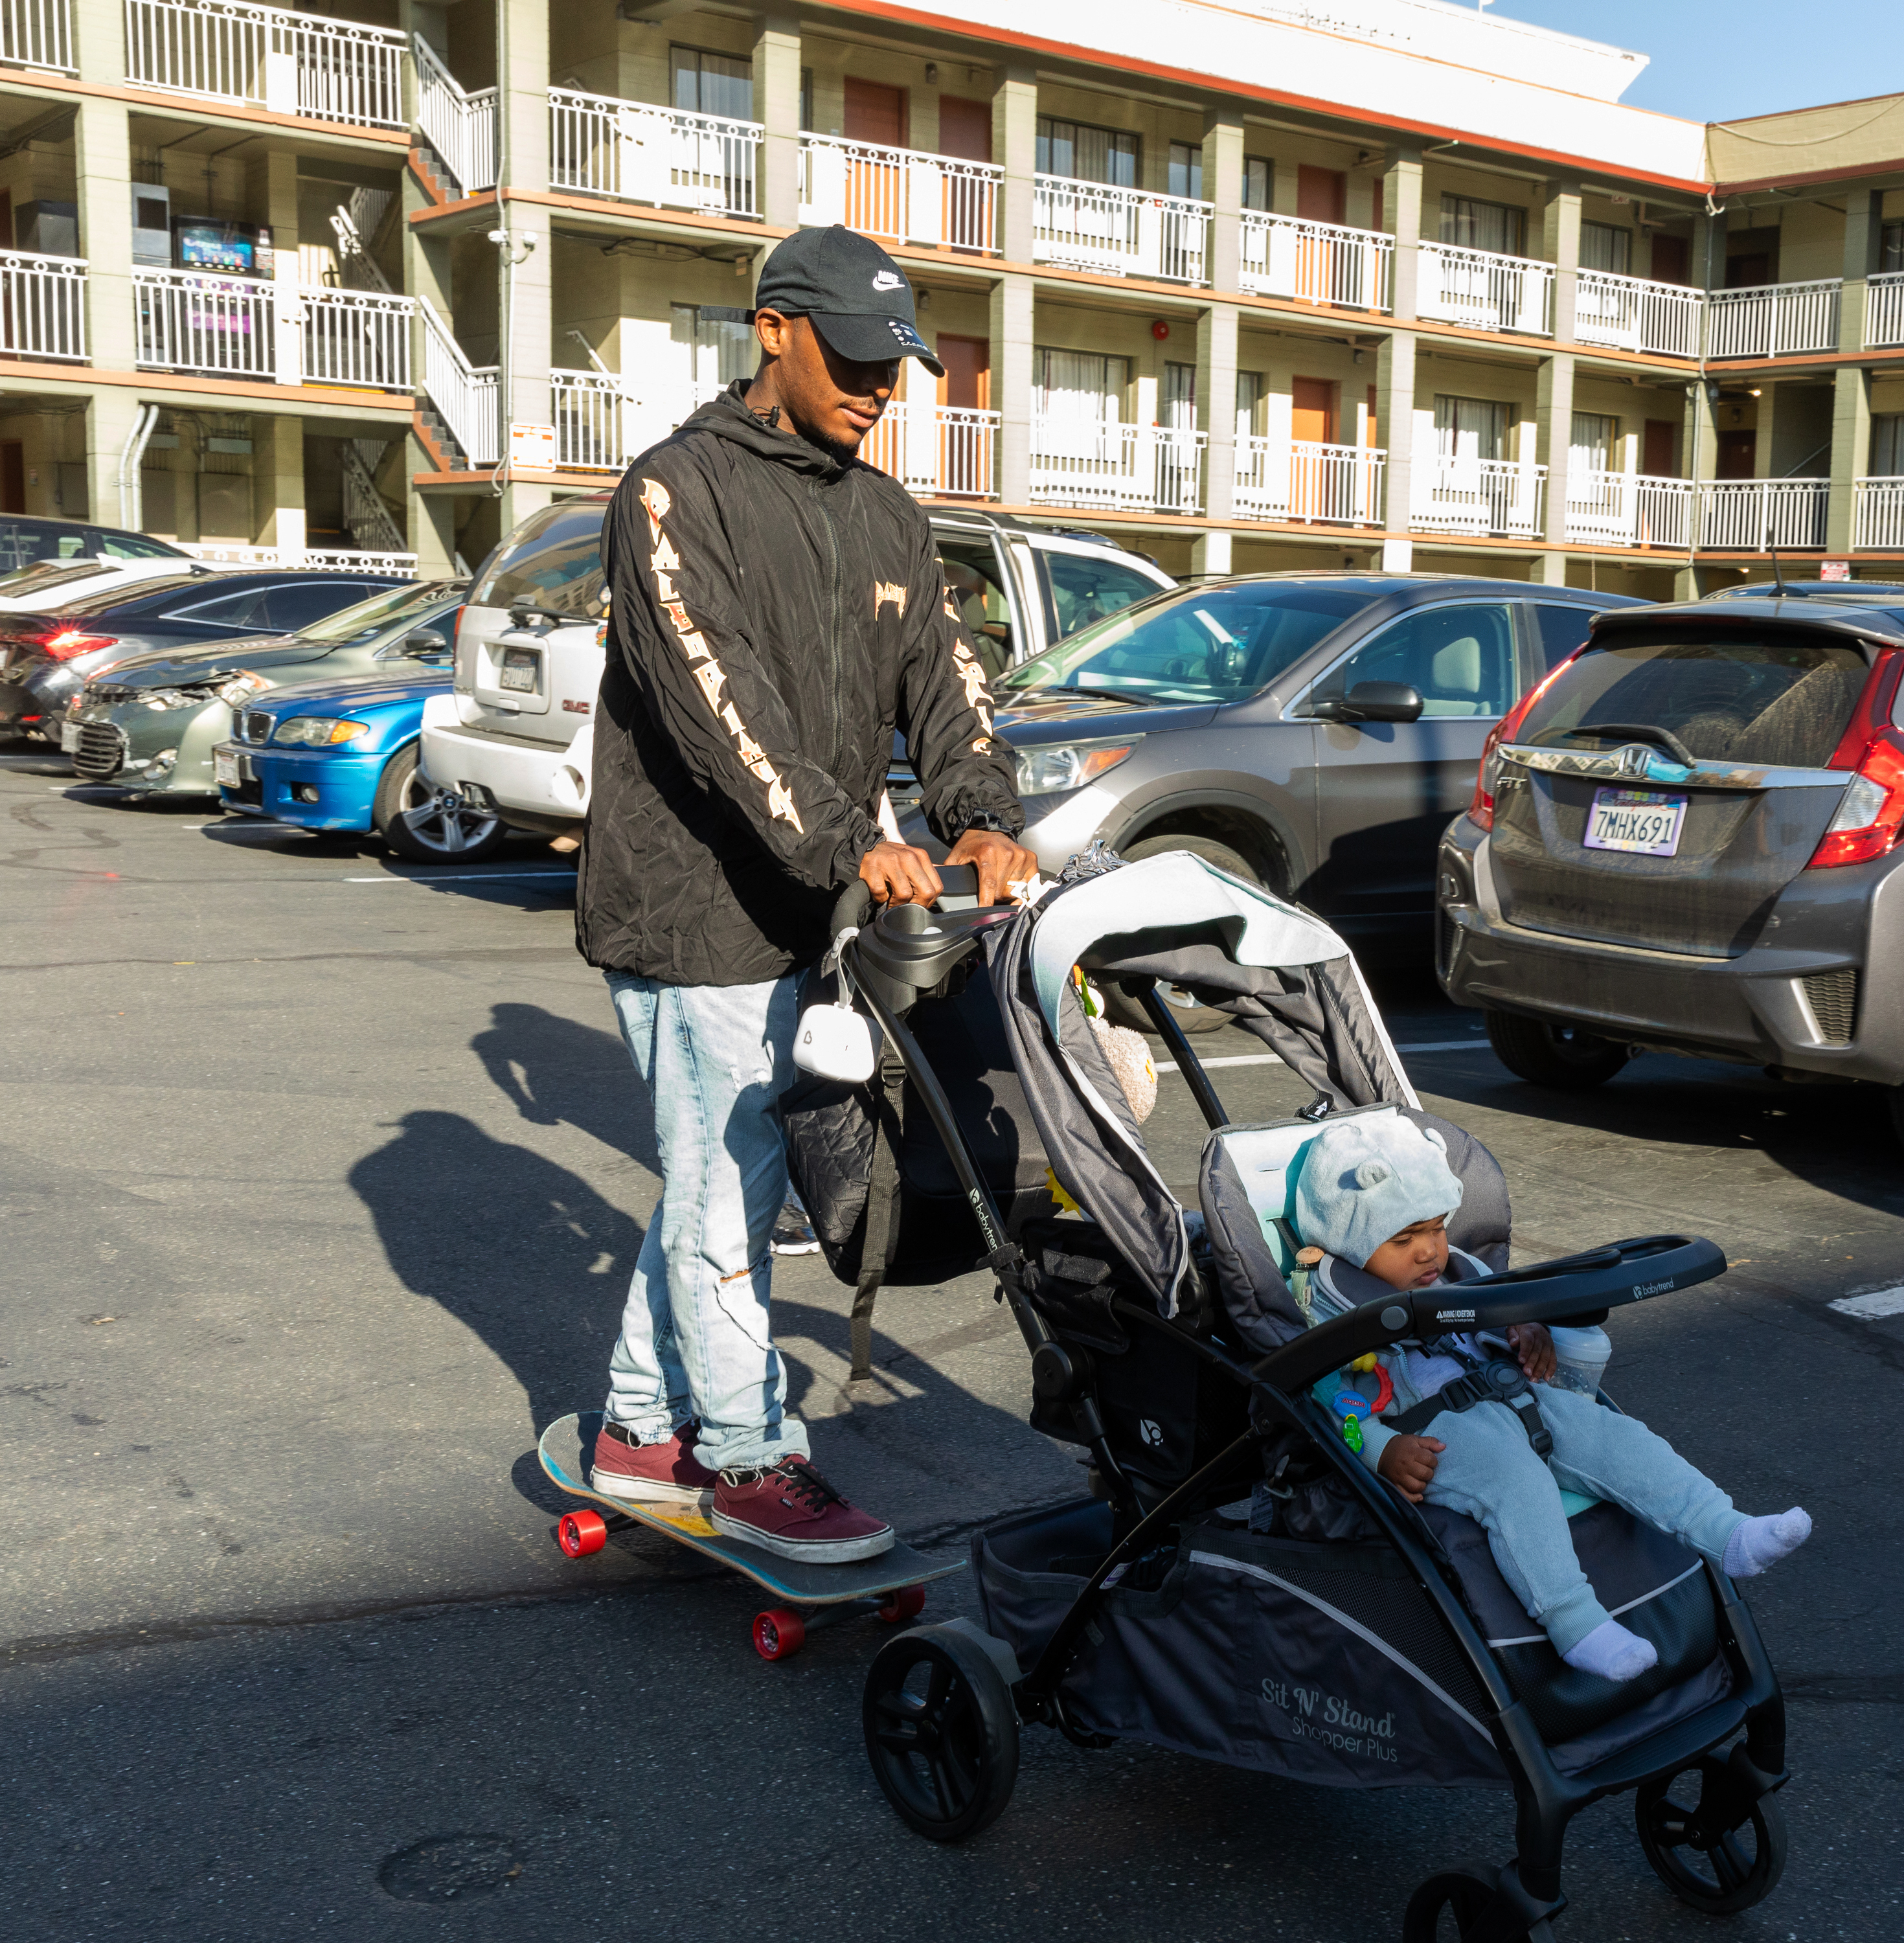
{"points": [[935, 449], [1076, 462], [1632, 315], [1749, 515], [42, 306], [1773, 320], [1122, 232], [1883, 310], [1484, 291], [223, 327], [329, 560], [460, 126], [36, 33], [1300, 480], [466, 395], [1629, 509], [1878, 520], [900, 194], [265, 56], [1320, 262], [1478, 495], [602, 145], [355, 337]]}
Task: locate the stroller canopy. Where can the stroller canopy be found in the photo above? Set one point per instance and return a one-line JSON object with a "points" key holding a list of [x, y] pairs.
{"points": [[1278, 971]]}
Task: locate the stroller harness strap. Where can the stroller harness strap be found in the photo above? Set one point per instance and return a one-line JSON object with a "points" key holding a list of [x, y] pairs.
{"points": [[1497, 1380], [881, 1207]]}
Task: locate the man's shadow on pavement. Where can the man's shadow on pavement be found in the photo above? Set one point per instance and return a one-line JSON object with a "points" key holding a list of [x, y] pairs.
{"points": [[554, 1071]]}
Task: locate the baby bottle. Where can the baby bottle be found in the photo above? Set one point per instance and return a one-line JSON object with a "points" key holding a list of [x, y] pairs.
{"points": [[1583, 1355]]}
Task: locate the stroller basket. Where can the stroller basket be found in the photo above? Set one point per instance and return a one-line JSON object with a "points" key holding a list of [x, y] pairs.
{"points": [[1362, 1641]]}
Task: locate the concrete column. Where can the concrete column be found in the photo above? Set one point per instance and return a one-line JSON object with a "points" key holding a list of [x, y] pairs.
{"points": [[1401, 206], [1014, 147], [1013, 308], [1553, 436], [1863, 226], [98, 40], [776, 106], [1216, 388], [1561, 246], [1700, 444], [525, 264], [1210, 553], [103, 161], [432, 521], [278, 482], [110, 415], [1394, 423], [1223, 181], [1850, 453]]}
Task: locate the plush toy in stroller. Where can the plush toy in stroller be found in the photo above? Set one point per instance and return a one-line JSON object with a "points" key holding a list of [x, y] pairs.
{"points": [[1344, 1636]]}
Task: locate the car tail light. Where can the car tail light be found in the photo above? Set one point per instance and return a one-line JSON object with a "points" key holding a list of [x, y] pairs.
{"points": [[1481, 810], [1872, 811], [71, 641]]}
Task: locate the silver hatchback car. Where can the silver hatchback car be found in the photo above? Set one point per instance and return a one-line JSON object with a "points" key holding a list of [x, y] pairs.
{"points": [[1688, 839]]}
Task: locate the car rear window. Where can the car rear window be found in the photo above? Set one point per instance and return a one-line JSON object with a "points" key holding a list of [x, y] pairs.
{"points": [[1783, 703], [553, 560]]}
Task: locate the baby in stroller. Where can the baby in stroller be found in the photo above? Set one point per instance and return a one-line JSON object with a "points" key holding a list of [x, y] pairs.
{"points": [[1482, 1432]]}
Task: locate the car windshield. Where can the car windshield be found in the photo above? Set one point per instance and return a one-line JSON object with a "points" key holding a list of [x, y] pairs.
{"points": [[383, 613], [1193, 644], [1777, 700], [553, 560]]}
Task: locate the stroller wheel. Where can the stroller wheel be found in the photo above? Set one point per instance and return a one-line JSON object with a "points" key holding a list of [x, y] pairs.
{"points": [[1448, 1909], [940, 1733], [1741, 1867]]}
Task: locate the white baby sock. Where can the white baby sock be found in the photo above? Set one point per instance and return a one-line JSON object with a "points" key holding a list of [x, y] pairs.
{"points": [[1612, 1653], [1761, 1541]]}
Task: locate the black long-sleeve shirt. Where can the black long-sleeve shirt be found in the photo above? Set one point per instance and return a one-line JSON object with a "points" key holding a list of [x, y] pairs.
{"points": [[773, 616]]}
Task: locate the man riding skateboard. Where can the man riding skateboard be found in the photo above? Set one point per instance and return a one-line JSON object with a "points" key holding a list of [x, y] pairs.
{"points": [[776, 608]]}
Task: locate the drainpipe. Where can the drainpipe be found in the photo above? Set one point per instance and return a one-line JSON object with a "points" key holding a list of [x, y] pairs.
{"points": [[131, 498], [1714, 210]]}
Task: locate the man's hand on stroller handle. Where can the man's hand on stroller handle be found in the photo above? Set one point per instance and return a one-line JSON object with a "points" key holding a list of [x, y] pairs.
{"points": [[1000, 860], [1409, 1461], [898, 873]]}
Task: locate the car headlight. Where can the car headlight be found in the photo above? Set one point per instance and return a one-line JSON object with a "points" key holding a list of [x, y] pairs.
{"points": [[240, 688], [174, 698], [319, 731], [1051, 767]]}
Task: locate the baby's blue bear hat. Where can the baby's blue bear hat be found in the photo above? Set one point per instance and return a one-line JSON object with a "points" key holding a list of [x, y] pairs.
{"points": [[1363, 1181]]}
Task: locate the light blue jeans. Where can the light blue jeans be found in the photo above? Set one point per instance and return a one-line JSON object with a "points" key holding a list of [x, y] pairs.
{"points": [[696, 1340], [1489, 1471]]}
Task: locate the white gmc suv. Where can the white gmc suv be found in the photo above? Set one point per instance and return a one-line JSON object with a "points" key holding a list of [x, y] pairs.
{"points": [[516, 734]]}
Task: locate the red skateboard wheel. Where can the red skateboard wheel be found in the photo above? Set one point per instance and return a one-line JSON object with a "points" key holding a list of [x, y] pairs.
{"points": [[778, 1634], [905, 1602], [580, 1532]]}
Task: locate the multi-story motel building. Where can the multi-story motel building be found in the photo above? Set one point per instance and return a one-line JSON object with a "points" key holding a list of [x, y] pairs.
{"points": [[1248, 285]]}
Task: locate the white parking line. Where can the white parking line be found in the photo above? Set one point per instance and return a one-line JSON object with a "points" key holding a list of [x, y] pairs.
{"points": [[1478, 1043], [1872, 1308], [460, 877]]}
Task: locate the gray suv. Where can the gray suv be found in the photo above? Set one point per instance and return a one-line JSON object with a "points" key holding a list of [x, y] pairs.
{"points": [[1312, 731], [1686, 840]]}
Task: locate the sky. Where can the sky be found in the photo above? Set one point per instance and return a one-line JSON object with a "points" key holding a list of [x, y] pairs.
{"points": [[1714, 63]]}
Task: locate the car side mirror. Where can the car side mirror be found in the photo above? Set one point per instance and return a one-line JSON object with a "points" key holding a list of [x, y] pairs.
{"points": [[423, 642], [1372, 701]]}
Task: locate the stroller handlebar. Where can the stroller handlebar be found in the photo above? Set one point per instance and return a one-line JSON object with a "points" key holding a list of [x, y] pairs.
{"points": [[854, 904], [1574, 1288]]}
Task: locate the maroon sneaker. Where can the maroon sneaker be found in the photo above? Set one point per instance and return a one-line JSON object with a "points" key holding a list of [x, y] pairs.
{"points": [[791, 1509], [665, 1473]]}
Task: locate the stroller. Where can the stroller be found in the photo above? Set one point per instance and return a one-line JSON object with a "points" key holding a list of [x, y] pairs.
{"points": [[1343, 1636]]}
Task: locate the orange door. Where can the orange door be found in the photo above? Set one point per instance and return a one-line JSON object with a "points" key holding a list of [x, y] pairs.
{"points": [[965, 445], [1312, 423], [876, 189], [965, 129], [1321, 197], [967, 384], [1322, 194], [1658, 455]]}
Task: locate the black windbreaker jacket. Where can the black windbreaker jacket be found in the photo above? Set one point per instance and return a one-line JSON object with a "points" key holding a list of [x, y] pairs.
{"points": [[772, 616]]}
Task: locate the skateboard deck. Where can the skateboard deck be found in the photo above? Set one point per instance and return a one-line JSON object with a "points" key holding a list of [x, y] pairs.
{"points": [[564, 1450]]}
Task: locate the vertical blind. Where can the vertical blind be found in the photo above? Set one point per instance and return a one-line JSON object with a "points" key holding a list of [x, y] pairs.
{"points": [[1469, 429], [1081, 387], [1082, 153], [713, 84], [1469, 225]]}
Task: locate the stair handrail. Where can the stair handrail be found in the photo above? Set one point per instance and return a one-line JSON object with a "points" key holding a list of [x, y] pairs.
{"points": [[457, 410], [446, 110]]}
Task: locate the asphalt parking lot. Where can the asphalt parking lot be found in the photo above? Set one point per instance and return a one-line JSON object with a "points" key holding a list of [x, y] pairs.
{"points": [[323, 1181]]}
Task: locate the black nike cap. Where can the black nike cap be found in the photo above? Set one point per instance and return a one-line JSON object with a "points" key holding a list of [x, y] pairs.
{"points": [[851, 293]]}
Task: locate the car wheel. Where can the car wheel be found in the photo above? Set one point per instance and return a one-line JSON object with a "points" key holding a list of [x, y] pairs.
{"points": [[428, 825], [1123, 1010], [1549, 1053]]}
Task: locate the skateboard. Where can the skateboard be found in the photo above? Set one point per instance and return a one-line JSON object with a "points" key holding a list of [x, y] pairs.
{"points": [[891, 1587]]}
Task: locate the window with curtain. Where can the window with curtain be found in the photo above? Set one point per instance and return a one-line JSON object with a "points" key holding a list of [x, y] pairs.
{"points": [[1495, 226], [1177, 397], [1604, 246], [712, 84], [1887, 446], [1252, 388], [1591, 446], [1187, 170], [1080, 386], [1082, 153], [1256, 183], [1890, 248], [715, 349], [1469, 429]]}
